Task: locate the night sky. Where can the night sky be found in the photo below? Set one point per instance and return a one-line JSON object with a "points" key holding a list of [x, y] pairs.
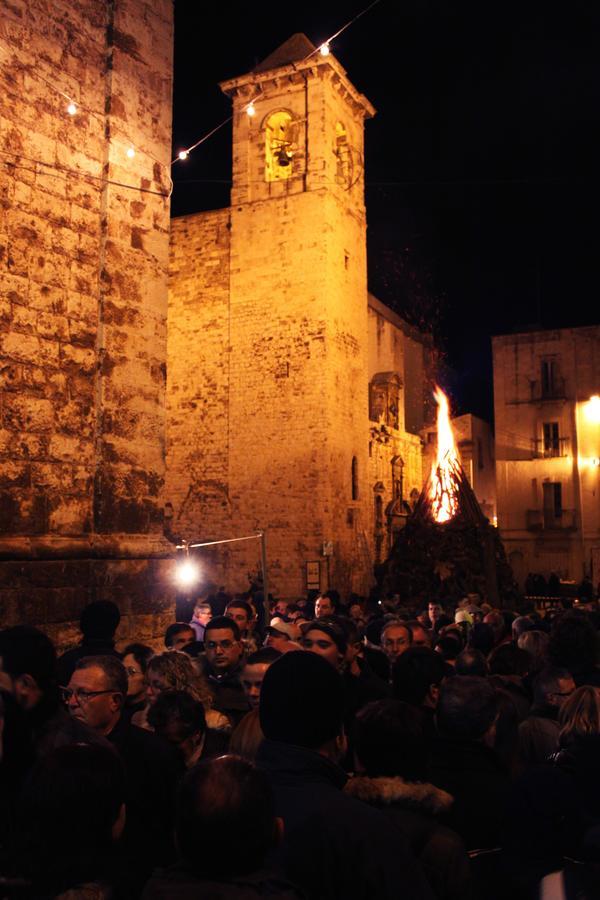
{"points": [[482, 162]]}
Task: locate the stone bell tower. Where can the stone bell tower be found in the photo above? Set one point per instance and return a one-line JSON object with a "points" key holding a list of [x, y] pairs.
{"points": [[291, 386]]}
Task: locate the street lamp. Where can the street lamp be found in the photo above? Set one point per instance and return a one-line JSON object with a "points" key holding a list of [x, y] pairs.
{"points": [[188, 572]]}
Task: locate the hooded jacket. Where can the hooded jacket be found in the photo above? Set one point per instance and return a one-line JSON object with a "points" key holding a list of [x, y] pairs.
{"points": [[414, 806]]}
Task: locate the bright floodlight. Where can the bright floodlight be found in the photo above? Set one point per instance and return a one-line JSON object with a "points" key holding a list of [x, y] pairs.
{"points": [[187, 573], [592, 409]]}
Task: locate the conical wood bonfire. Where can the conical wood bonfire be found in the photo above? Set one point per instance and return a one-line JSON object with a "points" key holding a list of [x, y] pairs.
{"points": [[448, 548]]}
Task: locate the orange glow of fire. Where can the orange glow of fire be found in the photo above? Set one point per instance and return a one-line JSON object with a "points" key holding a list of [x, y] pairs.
{"points": [[443, 494]]}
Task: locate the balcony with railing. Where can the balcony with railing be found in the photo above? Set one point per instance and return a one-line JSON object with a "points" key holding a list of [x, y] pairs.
{"points": [[551, 520], [556, 448], [554, 389]]}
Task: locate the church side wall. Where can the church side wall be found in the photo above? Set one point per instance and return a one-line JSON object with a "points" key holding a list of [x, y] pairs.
{"points": [[198, 379]]}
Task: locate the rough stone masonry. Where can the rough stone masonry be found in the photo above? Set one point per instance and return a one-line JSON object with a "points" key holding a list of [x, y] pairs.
{"points": [[84, 228]]}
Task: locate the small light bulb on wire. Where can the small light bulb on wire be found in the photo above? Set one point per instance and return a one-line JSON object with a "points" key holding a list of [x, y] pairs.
{"points": [[251, 109], [72, 109], [131, 152], [324, 49], [183, 154]]}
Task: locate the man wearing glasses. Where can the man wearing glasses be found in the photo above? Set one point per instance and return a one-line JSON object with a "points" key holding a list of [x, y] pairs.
{"points": [[223, 652], [95, 696]]}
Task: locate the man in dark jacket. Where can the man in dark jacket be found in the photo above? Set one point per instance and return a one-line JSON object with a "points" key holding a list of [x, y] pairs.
{"points": [[538, 733], [95, 697], [334, 847], [222, 665], [464, 763]]}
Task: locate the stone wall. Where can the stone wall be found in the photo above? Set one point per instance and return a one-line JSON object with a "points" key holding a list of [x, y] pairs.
{"points": [[83, 302]]}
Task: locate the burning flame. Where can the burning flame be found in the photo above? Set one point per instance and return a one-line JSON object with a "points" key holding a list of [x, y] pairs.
{"points": [[442, 493]]}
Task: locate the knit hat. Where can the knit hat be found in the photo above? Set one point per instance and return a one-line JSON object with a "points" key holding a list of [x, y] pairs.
{"points": [[301, 700]]}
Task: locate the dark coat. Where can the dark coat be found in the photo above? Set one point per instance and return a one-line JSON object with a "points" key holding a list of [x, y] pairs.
{"points": [[228, 694], [538, 734], [178, 883], [550, 810], [152, 769], [334, 846], [478, 781], [415, 807]]}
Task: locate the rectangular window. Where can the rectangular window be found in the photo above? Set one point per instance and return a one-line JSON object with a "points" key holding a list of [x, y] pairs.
{"points": [[552, 502], [551, 441]]}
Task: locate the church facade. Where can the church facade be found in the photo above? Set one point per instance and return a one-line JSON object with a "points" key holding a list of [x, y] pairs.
{"points": [[295, 399]]}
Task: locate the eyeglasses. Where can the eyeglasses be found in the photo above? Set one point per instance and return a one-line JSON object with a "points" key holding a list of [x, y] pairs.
{"points": [[81, 695], [131, 672], [224, 645]]}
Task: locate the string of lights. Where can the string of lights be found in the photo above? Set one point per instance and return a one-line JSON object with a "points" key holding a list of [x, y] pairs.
{"points": [[74, 107], [323, 49]]}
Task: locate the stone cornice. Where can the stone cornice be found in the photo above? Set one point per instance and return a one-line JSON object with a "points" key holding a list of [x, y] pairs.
{"points": [[254, 84]]}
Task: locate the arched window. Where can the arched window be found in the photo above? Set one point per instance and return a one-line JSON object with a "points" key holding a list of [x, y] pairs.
{"points": [[279, 146], [354, 475]]}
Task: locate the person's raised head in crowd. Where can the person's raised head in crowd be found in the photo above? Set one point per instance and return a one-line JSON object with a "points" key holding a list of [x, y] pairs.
{"points": [[225, 827], [574, 646], [579, 716], [396, 638], [178, 718], [326, 639], [242, 614], [421, 637], [201, 616], [28, 661], [253, 672], [496, 621], [223, 646], [481, 638], [448, 645], [173, 670], [417, 677], [96, 692], [135, 659], [179, 635], [282, 636], [467, 709], [536, 644], [538, 733], [71, 812], [326, 604], [98, 624], [435, 611], [471, 662], [521, 625], [356, 612], [390, 740], [353, 852], [508, 659]]}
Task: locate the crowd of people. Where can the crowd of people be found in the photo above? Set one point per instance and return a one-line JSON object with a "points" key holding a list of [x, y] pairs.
{"points": [[307, 749]]}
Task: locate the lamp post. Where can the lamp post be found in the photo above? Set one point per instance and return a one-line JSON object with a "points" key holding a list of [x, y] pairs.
{"points": [[259, 536]]}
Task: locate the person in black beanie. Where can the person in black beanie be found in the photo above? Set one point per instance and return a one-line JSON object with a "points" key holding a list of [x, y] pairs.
{"points": [[334, 847]]}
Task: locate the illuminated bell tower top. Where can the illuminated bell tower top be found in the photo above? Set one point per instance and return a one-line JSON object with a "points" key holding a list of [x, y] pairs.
{"points": [[298, 125]]}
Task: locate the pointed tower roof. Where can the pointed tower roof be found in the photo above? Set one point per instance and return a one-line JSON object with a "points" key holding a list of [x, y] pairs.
{"points": [[295, 49]]}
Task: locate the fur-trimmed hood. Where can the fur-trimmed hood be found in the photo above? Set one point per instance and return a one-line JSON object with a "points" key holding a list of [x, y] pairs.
{"points": [[386, 791]]}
